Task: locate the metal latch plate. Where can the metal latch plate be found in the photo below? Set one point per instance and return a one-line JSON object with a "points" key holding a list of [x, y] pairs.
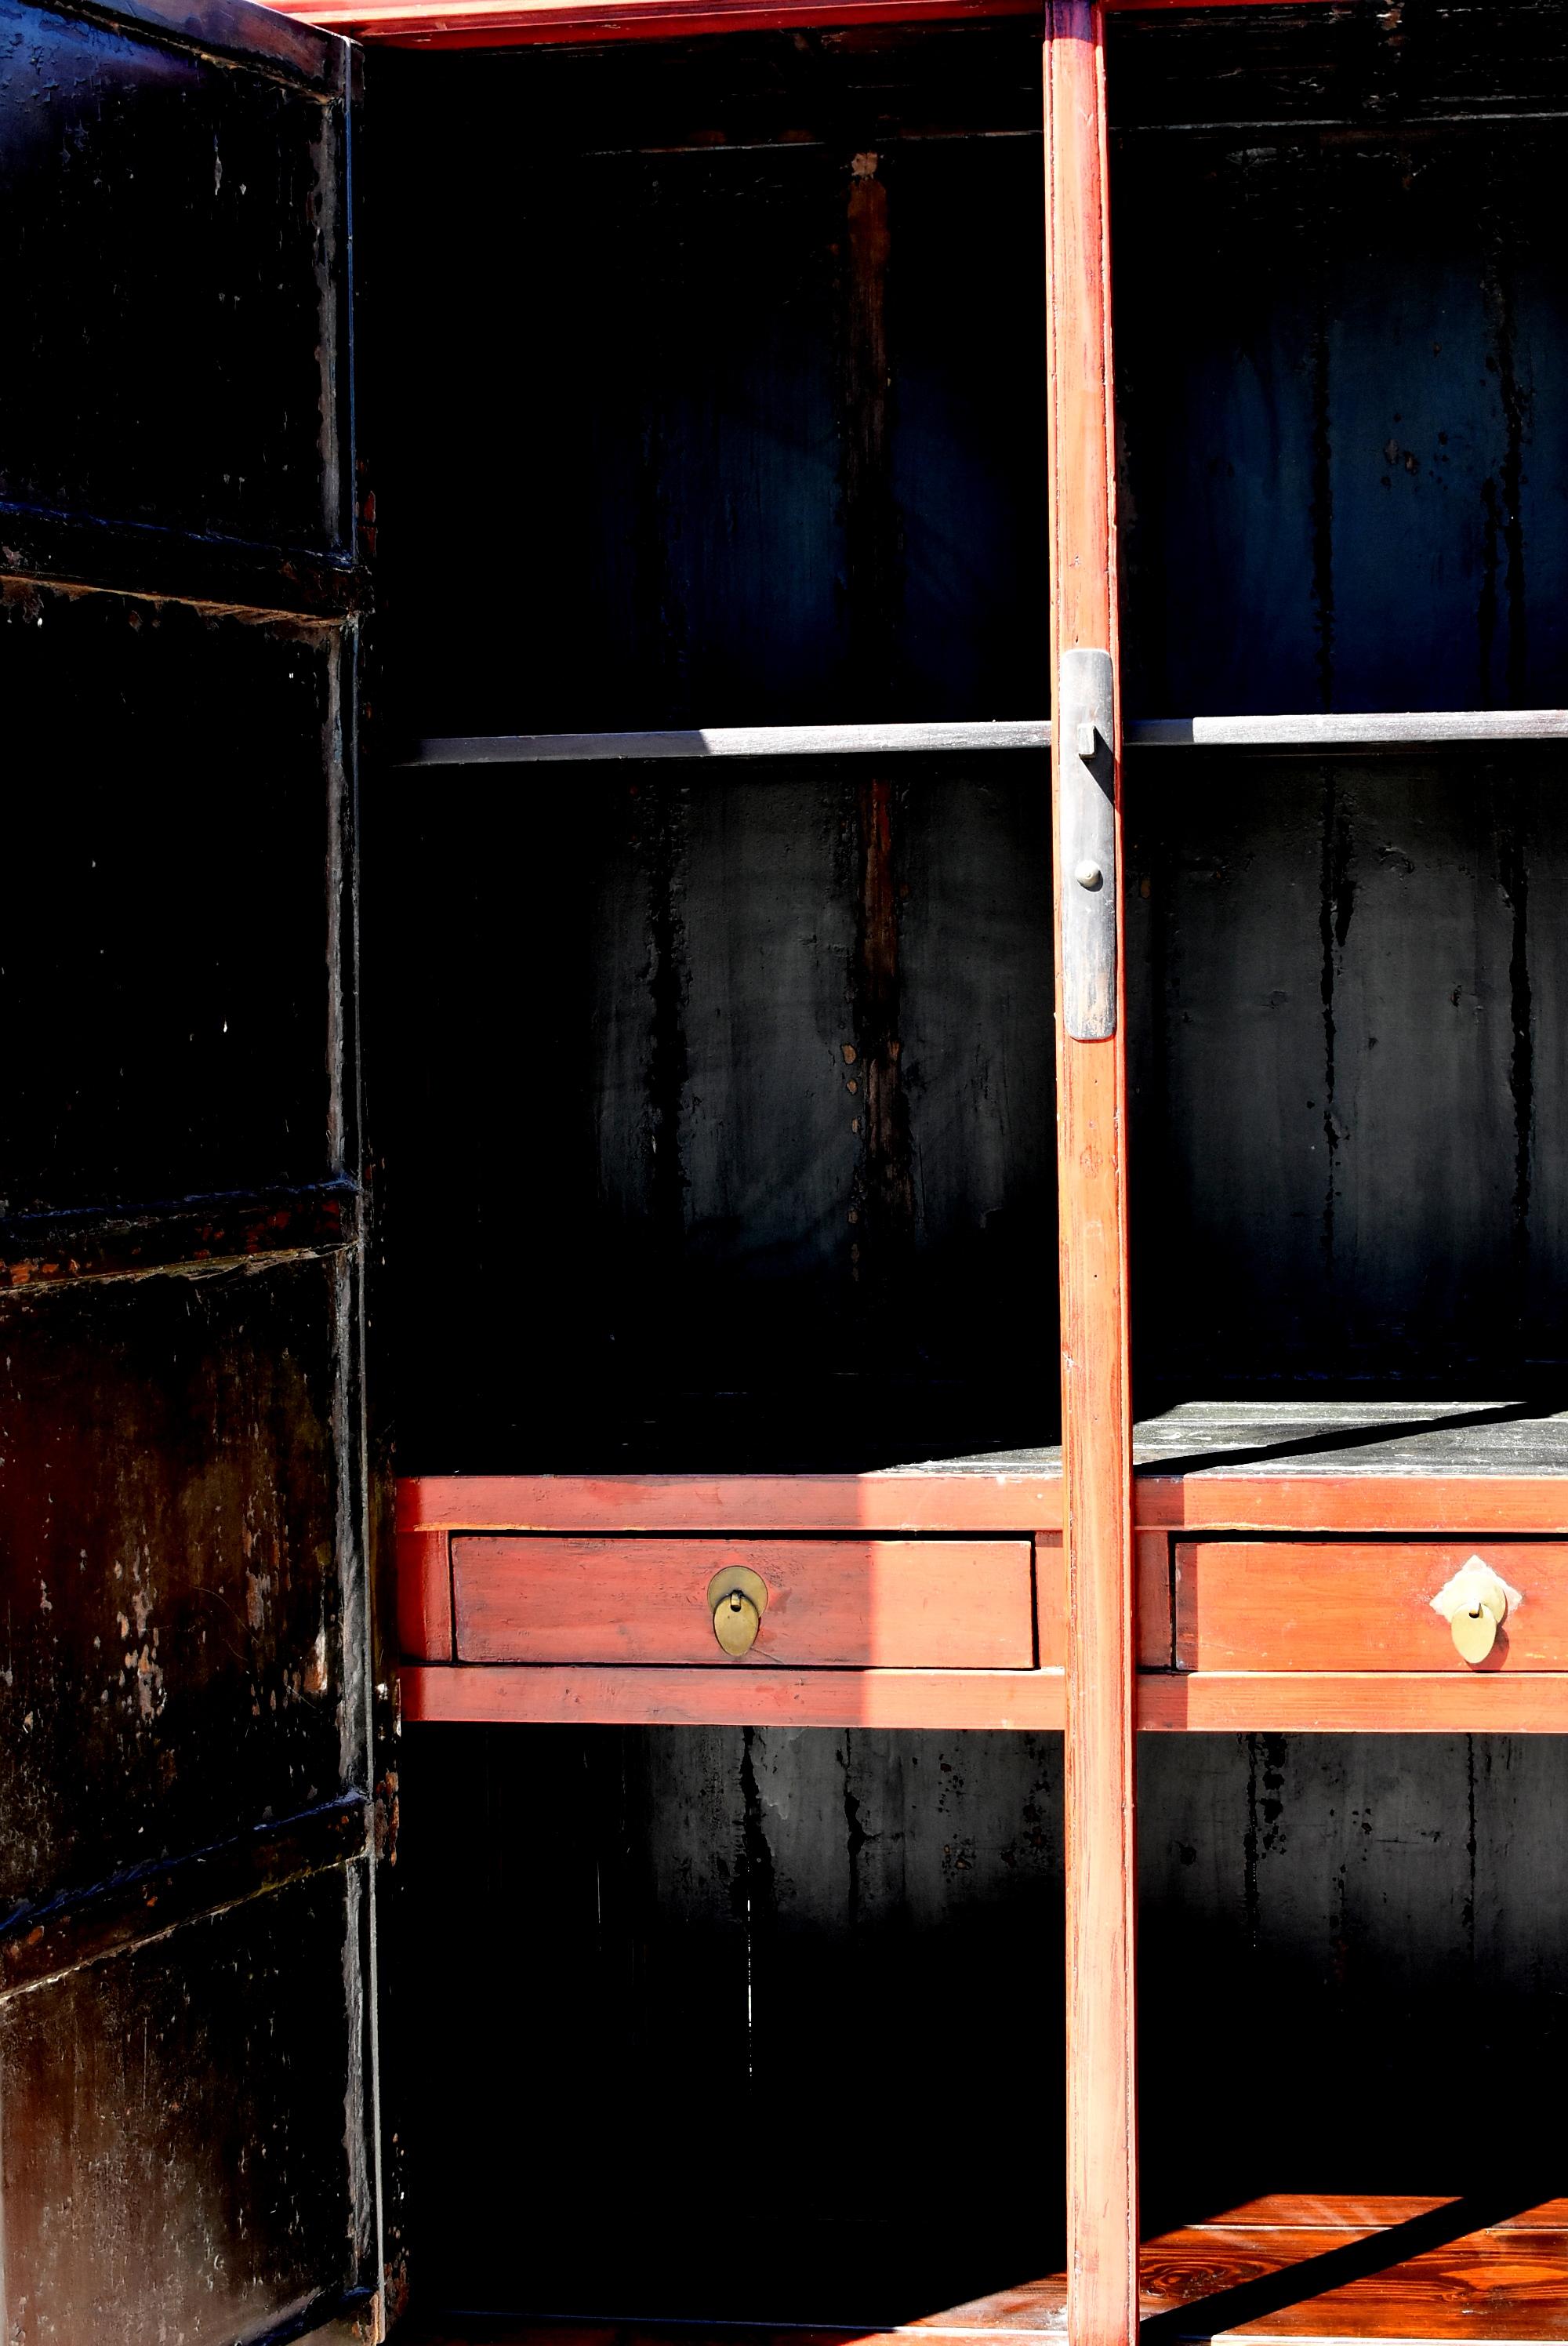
{"points": [[1087, 848]]}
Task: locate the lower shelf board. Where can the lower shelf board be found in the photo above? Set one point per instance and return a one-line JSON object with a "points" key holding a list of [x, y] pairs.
{"points": [[1215, 1702], [1322, 2268]]}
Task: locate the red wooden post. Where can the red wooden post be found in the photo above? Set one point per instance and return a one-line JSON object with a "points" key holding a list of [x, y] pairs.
{"points": [[1091, 1127]]}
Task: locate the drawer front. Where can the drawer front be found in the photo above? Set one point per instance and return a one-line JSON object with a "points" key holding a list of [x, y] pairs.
{"points": [[861, 1604], [1346, 1604]]}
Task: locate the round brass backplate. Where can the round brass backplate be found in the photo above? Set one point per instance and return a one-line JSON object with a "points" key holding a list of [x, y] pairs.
{"points": [[738, 1598]]}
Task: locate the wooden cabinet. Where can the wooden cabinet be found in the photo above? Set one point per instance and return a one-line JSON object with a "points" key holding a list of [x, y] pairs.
{"points": [[964, 885]]}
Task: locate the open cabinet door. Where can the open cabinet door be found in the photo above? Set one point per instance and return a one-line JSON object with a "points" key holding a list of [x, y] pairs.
{"points": [[187, 2136]]}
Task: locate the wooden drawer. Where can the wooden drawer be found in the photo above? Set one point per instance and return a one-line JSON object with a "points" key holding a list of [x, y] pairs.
{"points": [[1347, 1605], [857, 1604]]}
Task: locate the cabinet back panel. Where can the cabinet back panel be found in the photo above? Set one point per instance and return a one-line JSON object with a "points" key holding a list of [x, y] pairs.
{"points": [[741, 2023], [1350, 1102], [1352, 1966], [714, 1113], [642, 1976], [741, 424], [1342, 348]]}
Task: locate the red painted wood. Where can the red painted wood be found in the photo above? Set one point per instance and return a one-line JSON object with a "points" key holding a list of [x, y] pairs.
{"points": [[1155, 1564], [425, 1596], [1457, 1506], [726, 1697], [1346, 1604], [847, 1603], [425, 1618], [1100, 1775], [509, 24], [929, 1502], [1447, 1506], [1207, 1702], [1349, 1702]]}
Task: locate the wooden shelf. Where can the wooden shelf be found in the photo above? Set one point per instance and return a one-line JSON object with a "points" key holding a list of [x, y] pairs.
{"points": [[1319, 2267], [1486, 1466], [1308, 734], [1442, 1474]]}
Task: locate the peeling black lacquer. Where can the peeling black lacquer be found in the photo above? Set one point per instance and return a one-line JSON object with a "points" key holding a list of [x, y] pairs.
{"points": [[1513, 846], [660, 816], [883, 1208], [855, 1833], [1503, 497], [1255, 350], [186, 1987], [657, 614], [1337, 903], [869, 515], [1322, 505], [754, 1900]]}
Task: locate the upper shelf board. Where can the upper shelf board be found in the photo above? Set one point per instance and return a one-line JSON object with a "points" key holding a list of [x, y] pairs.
{"points": [[508, 23], [1383, 730]]}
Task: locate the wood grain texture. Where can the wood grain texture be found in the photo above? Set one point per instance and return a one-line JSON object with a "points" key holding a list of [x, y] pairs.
{"points": [[1354, 1702], [1466, 1506], [426, 1616], [1413, 2270], [502, 23], [966, 1498], [726, 1697], [509, 24], [425, 1596], [1450, 1456], [1091, 1124], [1206, 1702], [1346, 1604], [1338, 2210], [988, 1500], [849, 1604], [1351, 2284]]}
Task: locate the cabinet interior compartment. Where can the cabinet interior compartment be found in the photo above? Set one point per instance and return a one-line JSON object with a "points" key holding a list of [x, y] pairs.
{"points": [[726, 2024]]}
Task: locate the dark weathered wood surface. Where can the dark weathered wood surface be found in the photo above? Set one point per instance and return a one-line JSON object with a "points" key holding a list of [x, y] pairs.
{"points": [[214, 402], [735, 534], [799, 1034], [1417, 1438], [743, 1928], [187, 2134], [1334, 361], [1365, 955], [190, 1234]]}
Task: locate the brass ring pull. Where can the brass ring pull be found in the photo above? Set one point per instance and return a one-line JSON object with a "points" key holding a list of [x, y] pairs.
{"points": [[738, 1598], [1475, 1605]]}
